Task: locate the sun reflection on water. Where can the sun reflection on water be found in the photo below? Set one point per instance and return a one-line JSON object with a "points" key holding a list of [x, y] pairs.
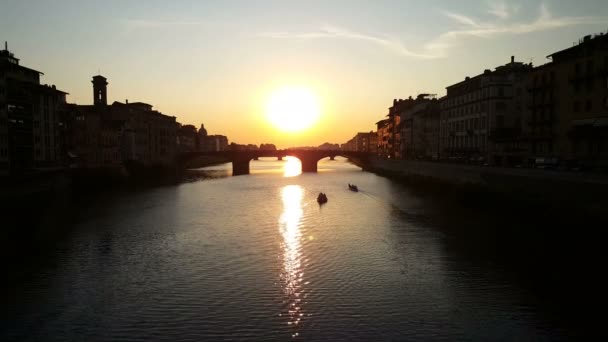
{"points": [[293, 167], [292, 273]]}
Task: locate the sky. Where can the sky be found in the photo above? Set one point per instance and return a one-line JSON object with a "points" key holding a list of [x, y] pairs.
{"points": [[217, 62]]}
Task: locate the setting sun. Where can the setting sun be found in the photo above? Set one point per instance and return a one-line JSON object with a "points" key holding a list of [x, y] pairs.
{"points": [[293, 109]]}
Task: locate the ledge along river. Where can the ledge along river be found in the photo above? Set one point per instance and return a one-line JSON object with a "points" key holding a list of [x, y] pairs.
{"points": [[256, 257]]}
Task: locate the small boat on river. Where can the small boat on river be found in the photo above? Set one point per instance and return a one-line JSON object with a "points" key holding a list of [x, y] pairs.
{"points": [[353, 187], [322, 198]]}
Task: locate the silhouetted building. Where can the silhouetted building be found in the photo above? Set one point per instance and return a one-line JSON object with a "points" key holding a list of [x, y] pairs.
{"points": [[481, 116], [268, 147], [362, 142], [567, 112], [328, 146], [31, 119], [105, 135], [217, 143], [419, 128], [187, 137]]}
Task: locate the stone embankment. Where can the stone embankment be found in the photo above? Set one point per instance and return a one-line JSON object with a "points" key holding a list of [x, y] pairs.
{"points": [[587, 191]]}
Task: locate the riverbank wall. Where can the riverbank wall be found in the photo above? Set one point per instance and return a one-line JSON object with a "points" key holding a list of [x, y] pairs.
{"points": [[583, 192]]}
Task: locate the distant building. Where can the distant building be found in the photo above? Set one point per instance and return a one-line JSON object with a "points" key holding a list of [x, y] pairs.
{"points": [[383, 135], [187, 137], [328, 146], [268, 147], [31, 119], [362, 142], [481, 117], [217, 143], [389, 129], [419, 128], [202, 138], [105, 135]]}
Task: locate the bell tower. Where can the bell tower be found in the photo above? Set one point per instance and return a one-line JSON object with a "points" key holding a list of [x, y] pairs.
{"points": [[100, 87]]}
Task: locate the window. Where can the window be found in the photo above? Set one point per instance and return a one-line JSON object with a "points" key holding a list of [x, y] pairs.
{"points": [[588, 105], [500, 121], [576, 106], [589, 66], [577, 68], [501, 91]]}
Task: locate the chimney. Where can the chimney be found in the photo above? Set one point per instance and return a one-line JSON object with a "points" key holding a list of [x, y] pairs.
{"points": [[5, 45], [127, 101], [512, 59]]}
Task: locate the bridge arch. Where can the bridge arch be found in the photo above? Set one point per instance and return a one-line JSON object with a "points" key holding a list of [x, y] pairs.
{"points": [[308, 158]]}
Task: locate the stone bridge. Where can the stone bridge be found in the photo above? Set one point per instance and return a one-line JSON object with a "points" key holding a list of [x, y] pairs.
{"points": [[309, 158]]}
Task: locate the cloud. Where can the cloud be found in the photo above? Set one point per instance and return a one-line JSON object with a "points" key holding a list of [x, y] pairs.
{"points": [[438, 47], [461, 19], [500, 10], [329, 31]]}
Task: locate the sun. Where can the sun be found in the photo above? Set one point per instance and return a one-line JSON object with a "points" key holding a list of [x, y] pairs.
{"points": [[293, 109]]}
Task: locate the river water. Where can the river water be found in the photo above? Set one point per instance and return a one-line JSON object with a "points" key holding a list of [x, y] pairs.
{"points": [[256, 258]]}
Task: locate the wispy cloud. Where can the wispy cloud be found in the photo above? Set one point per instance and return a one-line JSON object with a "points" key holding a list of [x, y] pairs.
{"points": [[469, 27], [329, 31], [461, 19], [502, 10]]}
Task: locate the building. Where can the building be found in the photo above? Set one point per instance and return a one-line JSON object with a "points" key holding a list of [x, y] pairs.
{"points": [[389, 129], [362, 142], [268, 147], [419, 129], [103, 135], [382, 138], [328, 146], [567, 112], [216, 143], [187, 138], [481, 117], [31, 119]]}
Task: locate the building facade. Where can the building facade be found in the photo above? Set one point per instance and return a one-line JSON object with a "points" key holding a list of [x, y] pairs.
{"points": [[31, 119], [568, 105], [105, 135], [481, 117], [419, 129], [362, 142]]}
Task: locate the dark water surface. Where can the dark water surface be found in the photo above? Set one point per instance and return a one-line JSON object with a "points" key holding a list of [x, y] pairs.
{"points": [[256, 258]]}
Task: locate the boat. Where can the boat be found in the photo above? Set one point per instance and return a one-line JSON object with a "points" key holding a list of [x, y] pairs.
{"points": [[353, 187], [322, 198]]}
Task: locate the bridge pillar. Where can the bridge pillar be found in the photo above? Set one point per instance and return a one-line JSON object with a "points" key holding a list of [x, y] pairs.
{"points": [[309, 164], [332, 158], [240, 167], [279, 158]]}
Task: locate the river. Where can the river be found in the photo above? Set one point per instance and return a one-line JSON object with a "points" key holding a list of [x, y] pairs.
{"points": [[257, 258]]}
